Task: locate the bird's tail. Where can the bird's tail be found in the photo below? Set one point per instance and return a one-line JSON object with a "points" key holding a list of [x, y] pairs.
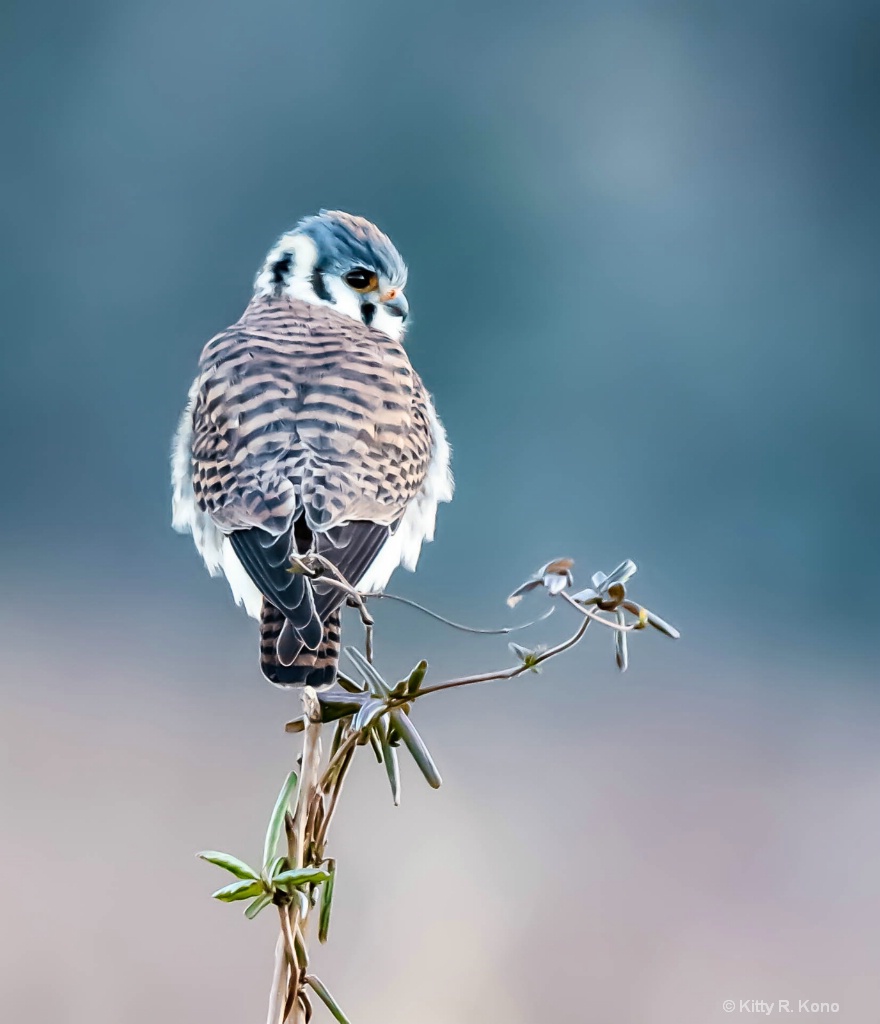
{"points": [[307, 668]]}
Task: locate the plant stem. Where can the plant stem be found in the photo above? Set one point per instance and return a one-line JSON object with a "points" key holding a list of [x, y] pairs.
{"points": [[510, 673], [278, 994], [288, 939], [309, 790], [321, 837]]}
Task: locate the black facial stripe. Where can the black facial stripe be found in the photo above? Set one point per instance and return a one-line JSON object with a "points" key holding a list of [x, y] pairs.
{"points": [[319, 286], [368, 311], [281, 268]]}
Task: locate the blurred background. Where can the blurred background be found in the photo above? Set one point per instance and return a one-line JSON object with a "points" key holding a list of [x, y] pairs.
{"points": [[643, 242]]}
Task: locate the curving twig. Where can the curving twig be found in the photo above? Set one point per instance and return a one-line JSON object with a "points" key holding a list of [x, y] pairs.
{"points": [[502, 631], [376, 713]]}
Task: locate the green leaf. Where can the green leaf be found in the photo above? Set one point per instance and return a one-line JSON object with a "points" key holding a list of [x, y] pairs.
{"points": [[368, 714], [416, 677], [238, 891], [302, 954], [392, 767], [375, 742], [321, 992], [349, 684], [416, 746], [260, 903], [300, 876], [409, 687], [326, 902], [276, 822], [229, 863], [303, 902], [340, 705], [530, 658], [379, 686], [277, 865]]}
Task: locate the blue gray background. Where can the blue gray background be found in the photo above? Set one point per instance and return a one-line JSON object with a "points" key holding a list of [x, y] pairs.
{"points": [[643, 241]]}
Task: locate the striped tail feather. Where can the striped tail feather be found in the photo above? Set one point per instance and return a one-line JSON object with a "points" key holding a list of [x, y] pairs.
{"points": [[300, 623], [308, 668]]}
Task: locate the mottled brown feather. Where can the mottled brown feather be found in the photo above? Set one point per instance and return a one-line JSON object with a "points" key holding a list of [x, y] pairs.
{"points": [[299, 407]]}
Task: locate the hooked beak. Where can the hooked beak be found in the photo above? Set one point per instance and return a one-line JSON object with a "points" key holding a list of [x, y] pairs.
{"points": [[394, 302]]}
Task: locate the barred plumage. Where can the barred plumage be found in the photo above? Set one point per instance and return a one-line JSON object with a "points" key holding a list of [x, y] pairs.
{"points": [[317, 667], [306, 430], [298, 408]]}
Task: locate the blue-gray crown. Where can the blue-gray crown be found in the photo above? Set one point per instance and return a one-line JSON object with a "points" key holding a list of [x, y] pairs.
{"points": [[344, 241]]}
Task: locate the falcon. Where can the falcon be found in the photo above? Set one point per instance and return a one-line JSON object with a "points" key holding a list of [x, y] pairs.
{"points": [[308, 432]]}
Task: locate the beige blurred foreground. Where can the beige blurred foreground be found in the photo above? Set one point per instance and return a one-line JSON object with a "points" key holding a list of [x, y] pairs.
{"points": [[647, 847]]}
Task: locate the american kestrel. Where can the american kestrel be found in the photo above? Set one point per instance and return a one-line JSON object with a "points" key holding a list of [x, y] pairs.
{"points": [[307, 430]]}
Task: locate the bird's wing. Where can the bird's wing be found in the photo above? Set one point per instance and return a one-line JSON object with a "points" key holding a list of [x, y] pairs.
{"points": [[306, 424]]}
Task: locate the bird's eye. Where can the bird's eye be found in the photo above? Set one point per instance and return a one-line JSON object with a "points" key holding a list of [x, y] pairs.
{"points": [[361, 279]]}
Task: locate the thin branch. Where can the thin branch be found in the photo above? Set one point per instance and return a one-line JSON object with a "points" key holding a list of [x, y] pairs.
{"points": [[321, 837], [319, 793], [309, 788], [288, 939], [596, 617], [503, 631], [278, 994], [348, 744], [509, 673], [311, 761]]}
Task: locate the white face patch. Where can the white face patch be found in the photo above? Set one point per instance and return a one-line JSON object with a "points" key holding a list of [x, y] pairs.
{"points": [[299, 285], [345, 299], [386, 323]]}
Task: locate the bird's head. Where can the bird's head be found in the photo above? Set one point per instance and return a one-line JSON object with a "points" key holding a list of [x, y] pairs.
{"points": [[339, 260]]}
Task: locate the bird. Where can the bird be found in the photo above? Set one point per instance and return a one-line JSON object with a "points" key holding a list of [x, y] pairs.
{"points": [[307, 432]]}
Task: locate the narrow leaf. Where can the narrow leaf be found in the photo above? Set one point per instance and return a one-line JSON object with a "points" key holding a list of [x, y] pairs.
{"points": [[260, 903], [410, 686], [300, 876], [392, 768], [229, 863], [368, 714], [302, 954], [303, 902], [326, 902], [303, 997], [663, 626], [321, 992], [621, 574], [379, 685], [340, 705], [349, 684], [514, 599], [528, 657], [238, 891], [276, 822], [620, 650], [415, 745], [416, 677], [375, 742], [279, 864]]}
